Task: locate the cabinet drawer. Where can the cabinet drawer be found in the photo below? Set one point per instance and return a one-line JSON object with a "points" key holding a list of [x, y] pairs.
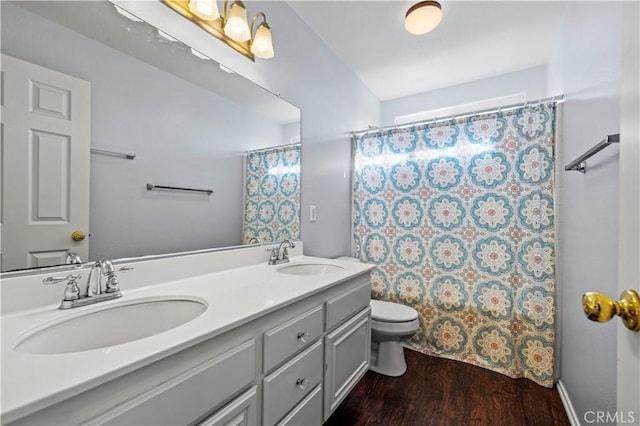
{"points": [[308, 412], [187, 397], [286, 386], [288, 338], [241, 412], [348, 304]]}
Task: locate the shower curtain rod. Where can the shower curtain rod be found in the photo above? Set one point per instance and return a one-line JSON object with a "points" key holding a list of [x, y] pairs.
{"points": [[373, 129], [274, 148]]}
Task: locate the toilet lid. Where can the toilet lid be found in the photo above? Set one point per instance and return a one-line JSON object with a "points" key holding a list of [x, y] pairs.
{"points": [[392, 312]]}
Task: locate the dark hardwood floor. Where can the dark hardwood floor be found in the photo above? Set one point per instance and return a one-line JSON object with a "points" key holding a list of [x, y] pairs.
{"points": [[437, 391]]}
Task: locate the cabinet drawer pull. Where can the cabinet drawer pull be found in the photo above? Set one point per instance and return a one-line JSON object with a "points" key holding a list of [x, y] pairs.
{"points": [[303, 336], [302, 383]]}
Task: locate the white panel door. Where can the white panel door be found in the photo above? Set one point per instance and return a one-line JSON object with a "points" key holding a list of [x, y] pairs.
{"points": [[628, 363], [45, 165]]}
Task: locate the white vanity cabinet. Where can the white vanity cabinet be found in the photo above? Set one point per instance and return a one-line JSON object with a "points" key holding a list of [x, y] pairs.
{"points": [[290, 366], [243, 411]]}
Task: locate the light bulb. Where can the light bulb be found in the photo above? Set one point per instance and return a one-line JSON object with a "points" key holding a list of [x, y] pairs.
{"points": [[204, 9], [262, 46], [236, 26]]}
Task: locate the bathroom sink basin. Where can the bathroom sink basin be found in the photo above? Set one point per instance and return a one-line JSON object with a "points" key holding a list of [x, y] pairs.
{"points": [[115, 325], [309, 268]]}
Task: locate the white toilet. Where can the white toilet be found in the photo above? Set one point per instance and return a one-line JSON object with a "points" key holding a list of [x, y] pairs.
{"points": [[391, 323]]}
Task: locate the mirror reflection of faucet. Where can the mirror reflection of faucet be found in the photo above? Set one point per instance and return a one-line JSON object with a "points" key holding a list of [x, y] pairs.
{"points": [[93, 291], [73, 258]]}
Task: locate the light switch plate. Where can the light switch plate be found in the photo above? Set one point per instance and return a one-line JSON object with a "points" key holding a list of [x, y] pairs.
{"points": [[312, 213]]}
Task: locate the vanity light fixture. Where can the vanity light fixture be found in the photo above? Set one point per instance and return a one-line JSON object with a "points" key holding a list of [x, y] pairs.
{"points": [[204, 9], [423, 17], [261, 46], [231, 26]]}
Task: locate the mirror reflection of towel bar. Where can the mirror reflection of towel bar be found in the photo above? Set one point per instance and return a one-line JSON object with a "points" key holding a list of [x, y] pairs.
{"points": [[126, 155], [151, 186]]}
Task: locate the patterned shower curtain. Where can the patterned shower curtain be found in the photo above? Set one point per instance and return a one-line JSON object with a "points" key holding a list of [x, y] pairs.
{"points": [[272, 195], [459, 217]]}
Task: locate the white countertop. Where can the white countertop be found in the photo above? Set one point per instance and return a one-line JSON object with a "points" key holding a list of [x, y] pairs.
{"points": [[31, 382]]}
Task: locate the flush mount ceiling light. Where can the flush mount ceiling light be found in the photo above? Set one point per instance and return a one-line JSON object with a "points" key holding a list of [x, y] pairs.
{"points": [[231, 26], [423, 17]]}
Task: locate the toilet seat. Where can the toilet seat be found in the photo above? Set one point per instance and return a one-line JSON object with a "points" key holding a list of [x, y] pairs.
{"points": [[395, 328], [392, 312]]}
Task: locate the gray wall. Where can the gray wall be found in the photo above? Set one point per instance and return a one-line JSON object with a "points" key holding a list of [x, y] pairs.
{"points": [[531, 81], [586, 66], [333, 102], [182, 136]]}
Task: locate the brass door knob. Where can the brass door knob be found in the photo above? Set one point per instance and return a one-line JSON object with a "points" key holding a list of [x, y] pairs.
{"points": [[77, 236], [599, 307]]}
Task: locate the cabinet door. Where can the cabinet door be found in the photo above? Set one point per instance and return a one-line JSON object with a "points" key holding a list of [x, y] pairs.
{"points": [[192, 394], [308, 412], [242, 411], [347, 359]]}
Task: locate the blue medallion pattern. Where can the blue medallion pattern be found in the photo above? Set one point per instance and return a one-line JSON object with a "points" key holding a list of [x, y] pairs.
{"points": [[494, 256], [409, 288], [535, 211], [373, 178], [375, 213], [489, 169], [272, 195], [534, 165], [405, 176], [494, 300], [444, 173], [409, 251], [407, 212], [370, 146], [494, 346], [402, 141], [536, 258], [459, 217], [485, 129], [537, 305], [446, 212], [449, 293], [441, 135], [531, 122], [448, 253], [492, 212], [449, 336]]}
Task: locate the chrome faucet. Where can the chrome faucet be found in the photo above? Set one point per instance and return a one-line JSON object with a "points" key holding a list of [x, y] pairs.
{"points": [[93, 291], [73, 258], [281, 255]]}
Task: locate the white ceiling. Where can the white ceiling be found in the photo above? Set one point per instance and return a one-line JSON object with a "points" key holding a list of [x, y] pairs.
{"points": [[475, 40]]}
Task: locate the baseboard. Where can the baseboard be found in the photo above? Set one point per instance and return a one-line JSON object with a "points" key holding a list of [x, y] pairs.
{"points": [[568, 407]]}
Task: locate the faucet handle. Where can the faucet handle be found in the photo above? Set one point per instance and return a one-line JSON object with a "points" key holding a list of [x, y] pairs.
{"points": [[56, 280], [72, 292], [112, 285], [285, 254]]}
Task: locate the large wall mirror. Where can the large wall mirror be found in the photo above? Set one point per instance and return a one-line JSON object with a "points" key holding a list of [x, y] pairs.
{"points": [[190, 122]]}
